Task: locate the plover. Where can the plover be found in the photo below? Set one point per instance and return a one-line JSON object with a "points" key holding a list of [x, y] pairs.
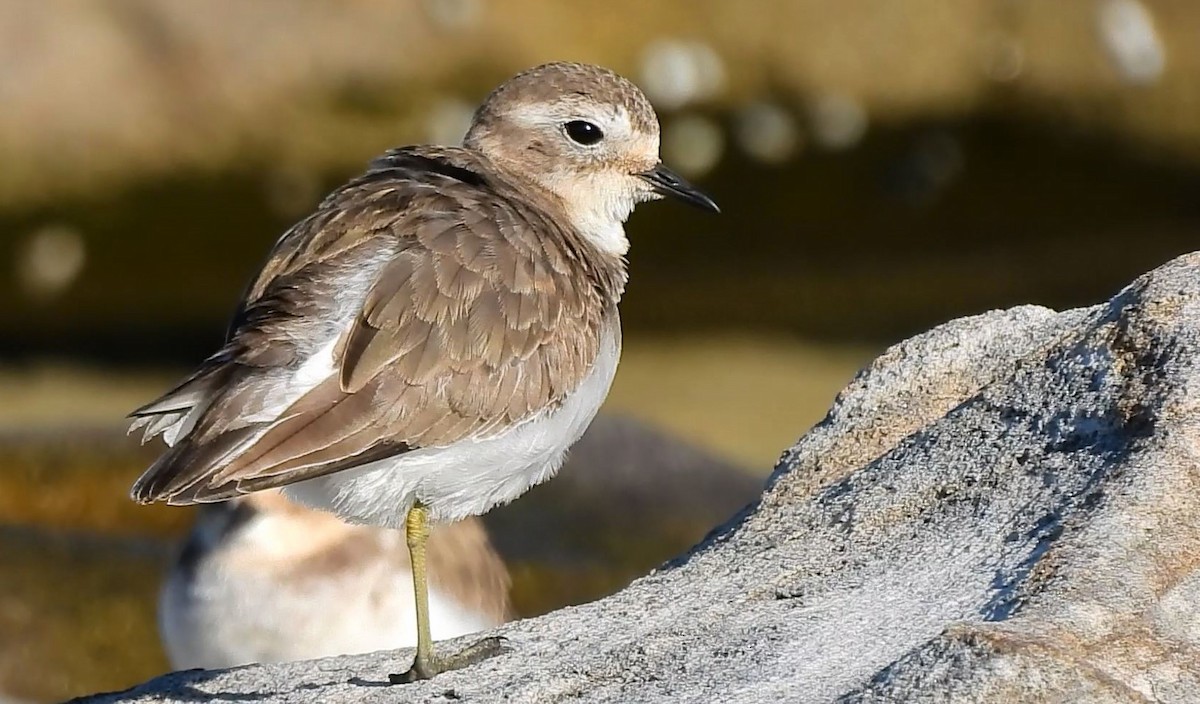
{"points": [[262, 579], [430, 341]]}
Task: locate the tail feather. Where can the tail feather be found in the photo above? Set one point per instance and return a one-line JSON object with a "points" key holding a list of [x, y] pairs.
{"points": [[155, 425], [185, 468], [174, 413], [235, 430], [181, 398]]}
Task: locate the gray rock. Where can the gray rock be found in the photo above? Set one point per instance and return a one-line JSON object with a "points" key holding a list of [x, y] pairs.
{"points": [[1002, 509]]}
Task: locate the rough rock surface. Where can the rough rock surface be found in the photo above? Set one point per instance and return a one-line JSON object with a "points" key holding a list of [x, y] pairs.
{"points": [[1002, 509]]}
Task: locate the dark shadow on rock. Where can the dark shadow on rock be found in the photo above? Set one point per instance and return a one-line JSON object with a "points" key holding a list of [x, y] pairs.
{"points": [[186, 686]]}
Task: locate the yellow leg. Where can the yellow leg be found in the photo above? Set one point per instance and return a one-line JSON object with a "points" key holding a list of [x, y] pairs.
{"points": [[425, 665], [417, 534]]}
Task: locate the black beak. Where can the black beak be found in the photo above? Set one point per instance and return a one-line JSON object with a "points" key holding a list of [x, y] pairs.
{"points": [[668, 183]]}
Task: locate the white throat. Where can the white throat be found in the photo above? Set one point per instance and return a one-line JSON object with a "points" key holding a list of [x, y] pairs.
{"points": [[598, 209], [607, 234]]}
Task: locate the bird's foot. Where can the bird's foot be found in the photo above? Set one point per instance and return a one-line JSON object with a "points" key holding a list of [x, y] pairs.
{"points": [[425, 668]]}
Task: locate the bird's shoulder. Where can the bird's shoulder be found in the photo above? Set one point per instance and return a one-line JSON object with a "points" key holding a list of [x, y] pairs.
{"points": [[400, 189]]}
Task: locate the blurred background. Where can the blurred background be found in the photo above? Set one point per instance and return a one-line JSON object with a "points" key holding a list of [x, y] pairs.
{"points": [[882, 166]]}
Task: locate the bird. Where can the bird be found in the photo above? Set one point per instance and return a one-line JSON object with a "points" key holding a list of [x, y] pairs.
{"points": [[263, 579], [429, 342]]}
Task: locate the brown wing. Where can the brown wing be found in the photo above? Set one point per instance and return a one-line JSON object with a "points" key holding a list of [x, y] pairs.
{"points": [[478, 311]]}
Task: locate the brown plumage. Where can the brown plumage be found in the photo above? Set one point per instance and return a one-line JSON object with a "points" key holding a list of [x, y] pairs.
{"points": [[481, 307], [448, 294], [443, 327]]}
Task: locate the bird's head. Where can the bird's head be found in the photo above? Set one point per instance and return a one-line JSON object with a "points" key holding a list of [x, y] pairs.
{"points": [[585, 135]]}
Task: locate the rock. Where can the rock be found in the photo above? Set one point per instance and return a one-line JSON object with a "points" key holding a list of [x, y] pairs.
{"points": [[1002, 509]]}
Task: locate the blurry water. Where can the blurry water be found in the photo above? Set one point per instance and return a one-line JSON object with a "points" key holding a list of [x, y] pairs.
{"points": [[76, 612]]}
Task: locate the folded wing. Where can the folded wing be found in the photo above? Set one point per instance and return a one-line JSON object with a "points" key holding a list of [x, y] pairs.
{"points": [[417, 307]]}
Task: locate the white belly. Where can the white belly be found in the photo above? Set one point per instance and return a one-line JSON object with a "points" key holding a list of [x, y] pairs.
{"points": [[469, 477]]}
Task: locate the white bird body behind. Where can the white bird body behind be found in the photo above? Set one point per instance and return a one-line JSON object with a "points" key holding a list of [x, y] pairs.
{"points": [[271, 582]]}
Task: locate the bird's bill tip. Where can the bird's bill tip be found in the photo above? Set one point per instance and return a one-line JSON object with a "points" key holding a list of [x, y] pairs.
{"points": [[667, 183]]}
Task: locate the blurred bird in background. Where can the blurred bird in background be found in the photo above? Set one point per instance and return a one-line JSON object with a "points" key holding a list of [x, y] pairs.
{"points": [[262, 579]]}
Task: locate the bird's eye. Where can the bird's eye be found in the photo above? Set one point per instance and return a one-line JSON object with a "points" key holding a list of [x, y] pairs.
{"points": [[584, 132]]}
